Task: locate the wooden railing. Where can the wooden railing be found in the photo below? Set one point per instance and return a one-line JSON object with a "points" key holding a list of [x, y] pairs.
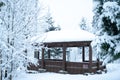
{"points": [[71, 67], [53, 65]]}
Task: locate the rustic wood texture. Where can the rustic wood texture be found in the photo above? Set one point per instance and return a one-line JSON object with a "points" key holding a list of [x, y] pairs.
{"points": [[67, 44], [83, 53], [64, 58], [71, 67], [90, 58]]}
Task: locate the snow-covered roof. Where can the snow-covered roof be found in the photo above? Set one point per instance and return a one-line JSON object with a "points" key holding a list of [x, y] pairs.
{"points": [[65, 36]]}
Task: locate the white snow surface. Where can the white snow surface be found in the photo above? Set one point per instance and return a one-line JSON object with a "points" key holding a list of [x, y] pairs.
{"points": [[112, 74], [64, 36]]}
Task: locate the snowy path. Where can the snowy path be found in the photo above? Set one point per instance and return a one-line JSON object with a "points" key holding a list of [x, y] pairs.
{"points": [[113, 74]]}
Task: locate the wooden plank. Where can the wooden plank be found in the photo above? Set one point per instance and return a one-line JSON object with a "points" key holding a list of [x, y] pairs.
{"points": [[70, 67]]}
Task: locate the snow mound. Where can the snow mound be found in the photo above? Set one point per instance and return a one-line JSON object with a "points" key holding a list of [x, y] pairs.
{"points": [[112, 74]]}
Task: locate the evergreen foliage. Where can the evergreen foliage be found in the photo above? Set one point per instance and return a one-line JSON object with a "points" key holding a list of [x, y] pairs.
{"points": [[117, 56], [1, 4], [50, 22], [83, 24], [109, 27], [106, 23], [55, 52]]}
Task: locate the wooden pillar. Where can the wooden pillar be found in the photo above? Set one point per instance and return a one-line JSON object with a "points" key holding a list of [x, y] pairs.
{"points": [[98, 64], [64, 58], [90, 58], [42, 61], [83, 53], [48, 53]]}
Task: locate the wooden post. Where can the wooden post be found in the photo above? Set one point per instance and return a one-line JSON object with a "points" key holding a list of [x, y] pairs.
{"points": [[42, 63], [83, 53], [64, 58], [48, 53], [98, 64], [90, 58]]}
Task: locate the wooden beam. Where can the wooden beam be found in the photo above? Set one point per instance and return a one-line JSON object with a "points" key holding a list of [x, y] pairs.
{"points": [[90, 58], [83, 53], [42, 63], [68, 44], [64, 58]]}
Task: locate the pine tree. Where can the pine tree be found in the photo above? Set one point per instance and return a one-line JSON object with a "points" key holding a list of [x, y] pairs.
{"points": [[84, 24], [97, 12], [108, 29], [55, 52], [50, 23]]}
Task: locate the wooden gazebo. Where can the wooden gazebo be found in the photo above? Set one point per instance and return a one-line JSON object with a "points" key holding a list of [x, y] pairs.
{"points": [[81, 39]]}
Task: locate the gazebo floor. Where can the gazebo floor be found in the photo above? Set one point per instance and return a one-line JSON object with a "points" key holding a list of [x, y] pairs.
{"points": [[70, 67]]}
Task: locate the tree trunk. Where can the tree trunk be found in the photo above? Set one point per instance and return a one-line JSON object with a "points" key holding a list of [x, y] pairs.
{"points": [[1, 75]]}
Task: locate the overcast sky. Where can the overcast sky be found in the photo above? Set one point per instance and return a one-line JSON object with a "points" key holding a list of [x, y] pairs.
{"points": [[68, 13]]}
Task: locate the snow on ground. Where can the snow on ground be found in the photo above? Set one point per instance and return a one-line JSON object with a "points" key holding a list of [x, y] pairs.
{"points": [[112, 74]]}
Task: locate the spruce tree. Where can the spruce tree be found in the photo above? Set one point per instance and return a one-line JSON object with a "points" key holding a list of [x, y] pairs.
{"points": [[107, 26], [50, 23], [83, 24], [55, 52]]}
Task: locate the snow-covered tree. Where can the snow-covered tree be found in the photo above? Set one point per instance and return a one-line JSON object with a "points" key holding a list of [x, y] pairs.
{"points": [[1, 5], [84, 24], [18, 23], [97, 12], [50, 24], [107, 26]]}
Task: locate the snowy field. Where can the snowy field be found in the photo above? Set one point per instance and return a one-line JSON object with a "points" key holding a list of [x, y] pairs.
{"points": [[112, 74]]}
